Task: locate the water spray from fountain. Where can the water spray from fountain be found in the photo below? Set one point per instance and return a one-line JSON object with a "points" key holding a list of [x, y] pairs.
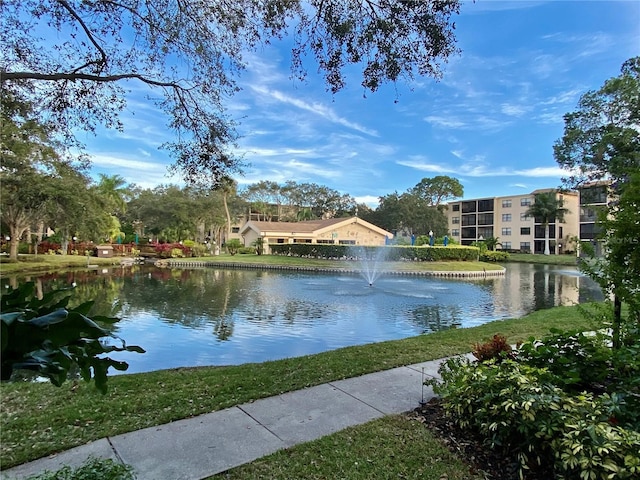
{"points": [[369, 261]]}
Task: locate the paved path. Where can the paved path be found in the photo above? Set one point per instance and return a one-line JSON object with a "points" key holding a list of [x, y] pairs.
{"points": [[202, 446]]}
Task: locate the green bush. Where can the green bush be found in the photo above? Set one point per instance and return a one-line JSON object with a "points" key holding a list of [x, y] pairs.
{"points": [[521, 409], [233, 246], [575, 359], [494, 256], [390, 253], [578, 361]]}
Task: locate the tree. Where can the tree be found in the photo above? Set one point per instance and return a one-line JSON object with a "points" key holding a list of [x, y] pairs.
{"points": [[409, 213], [438, 189], [492, 243], [113, 188], [546, 208], [227, 187], [79, 59], [32, 168], [601, 142]]}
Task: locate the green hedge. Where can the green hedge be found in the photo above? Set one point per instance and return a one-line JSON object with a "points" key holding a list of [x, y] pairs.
{"points": [[389, 253], [494, 256]]}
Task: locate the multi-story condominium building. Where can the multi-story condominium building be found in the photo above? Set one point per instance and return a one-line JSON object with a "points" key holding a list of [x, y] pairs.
{"points": [[593, 199], [505, 218]]}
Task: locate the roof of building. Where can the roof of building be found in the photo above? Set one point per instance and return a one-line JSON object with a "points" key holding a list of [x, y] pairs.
{"points": [[312, 227]]}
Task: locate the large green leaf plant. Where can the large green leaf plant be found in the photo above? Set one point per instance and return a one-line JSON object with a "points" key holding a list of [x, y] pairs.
{"points": [[46, 336]]}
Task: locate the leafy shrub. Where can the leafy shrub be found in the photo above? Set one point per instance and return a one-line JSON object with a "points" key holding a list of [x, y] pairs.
{"points": [[590, 447], [391, 253], [495, 349], [233, 246], [494, 256], [92, 469], [579, 361], [45, 336], [168, 250], [247, 250], [517, 409], [576, 360]]}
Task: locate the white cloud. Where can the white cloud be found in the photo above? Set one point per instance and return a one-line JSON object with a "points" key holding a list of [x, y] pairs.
{"points": [[368, 200], [446, 122], [541, 172], [514, 110], [478, 168], [422, 166], [315, 108]]}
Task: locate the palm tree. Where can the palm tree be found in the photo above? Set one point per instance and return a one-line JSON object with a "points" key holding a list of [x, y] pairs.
{"points": [[492, 243], [547, 207], [113, 189], [304, 214]]}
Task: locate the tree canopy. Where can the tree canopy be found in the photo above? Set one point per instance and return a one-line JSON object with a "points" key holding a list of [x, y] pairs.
{"points": [[79, 59], [601, 142]]}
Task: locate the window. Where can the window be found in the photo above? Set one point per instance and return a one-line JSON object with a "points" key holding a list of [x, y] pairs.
{"points": [[468, 207], [525, 246], [235, 229], [506, 217], [485, 205], [347, 242], [455, 232], [506, 245], [506, 203], [485, 219], [589, 231], [597, 194], [525, 230], [524, 217], [525, 202], [469, 219], [455, 220], [539, 231], [456, 207], [485, 232], [469, 232], [588, 215], [506, 232]]}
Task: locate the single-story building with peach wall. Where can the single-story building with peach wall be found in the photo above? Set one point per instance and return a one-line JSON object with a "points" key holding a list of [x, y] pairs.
{"points": [[339, 231]]}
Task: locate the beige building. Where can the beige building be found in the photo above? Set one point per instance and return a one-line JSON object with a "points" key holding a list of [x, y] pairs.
{"points": [[594, 198], [341, 231], [504, 218]]}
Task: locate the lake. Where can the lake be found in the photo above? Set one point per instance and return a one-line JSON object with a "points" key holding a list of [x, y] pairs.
{"points": [[211, 316]]}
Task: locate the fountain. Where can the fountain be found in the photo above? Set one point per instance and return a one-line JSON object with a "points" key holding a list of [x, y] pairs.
{"points": [[369, 260]]}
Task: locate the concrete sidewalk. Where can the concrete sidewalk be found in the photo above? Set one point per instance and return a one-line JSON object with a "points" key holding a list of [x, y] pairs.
{"points": [[202, 446]]}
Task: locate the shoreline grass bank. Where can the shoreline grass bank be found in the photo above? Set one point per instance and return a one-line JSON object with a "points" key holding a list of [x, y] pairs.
{"points": [[38, 419]]}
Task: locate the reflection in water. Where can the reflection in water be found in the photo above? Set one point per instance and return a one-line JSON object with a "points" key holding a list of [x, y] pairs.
{"points": [[215, 317]]}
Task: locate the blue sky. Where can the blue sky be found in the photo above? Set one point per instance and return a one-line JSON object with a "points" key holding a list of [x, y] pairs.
{"points": [[491, 121]]}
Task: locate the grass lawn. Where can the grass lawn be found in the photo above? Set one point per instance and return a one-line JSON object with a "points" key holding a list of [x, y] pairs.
{"points": [[37, 419], [391, 447], [49, 263], [548, 259]]}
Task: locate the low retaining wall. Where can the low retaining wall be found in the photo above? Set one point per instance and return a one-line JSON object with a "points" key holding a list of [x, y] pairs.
{"points": [[260, 266]]}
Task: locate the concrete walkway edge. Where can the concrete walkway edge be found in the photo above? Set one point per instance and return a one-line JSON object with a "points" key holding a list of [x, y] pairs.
{"points": [[198, 447]]}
